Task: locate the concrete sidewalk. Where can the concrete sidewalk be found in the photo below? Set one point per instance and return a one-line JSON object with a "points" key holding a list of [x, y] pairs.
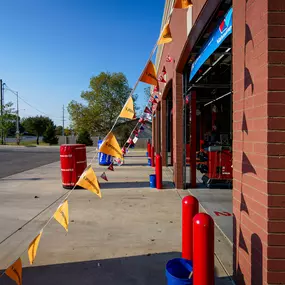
{"points": [[124, 238]]}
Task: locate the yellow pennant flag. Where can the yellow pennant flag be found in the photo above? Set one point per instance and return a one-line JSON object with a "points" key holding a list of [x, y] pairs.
{"points": [[128, 110], [61, 215], [33, 247], [149, 75], [183, 4], [165, 35], [111, 147], [88, 180], [15, 271]]}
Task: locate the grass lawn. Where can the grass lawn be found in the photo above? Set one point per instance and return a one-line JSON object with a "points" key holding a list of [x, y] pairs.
{"points": [[28, 143]]}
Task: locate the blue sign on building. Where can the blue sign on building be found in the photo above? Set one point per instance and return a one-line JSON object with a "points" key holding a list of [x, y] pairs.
{"points": [[215, 40]]}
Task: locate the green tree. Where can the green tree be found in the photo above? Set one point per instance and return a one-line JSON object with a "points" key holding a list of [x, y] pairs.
{"points": [[84, 138], [58, 130], [104, 101], [7, 120], [49, 135], [36, 125]]}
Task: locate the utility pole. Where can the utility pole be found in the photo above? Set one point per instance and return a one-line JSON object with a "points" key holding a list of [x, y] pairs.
{"points": [[1, 111], [63, 120], [17, 122]]}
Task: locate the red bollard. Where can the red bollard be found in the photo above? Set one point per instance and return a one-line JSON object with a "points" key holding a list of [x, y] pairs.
{"points": [[152, 156], [149, 149], [203, 250], [190, 207], [158, 171]]}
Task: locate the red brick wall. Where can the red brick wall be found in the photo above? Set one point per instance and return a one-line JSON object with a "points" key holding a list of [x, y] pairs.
{"points": [[197, 7], [259, 149]]}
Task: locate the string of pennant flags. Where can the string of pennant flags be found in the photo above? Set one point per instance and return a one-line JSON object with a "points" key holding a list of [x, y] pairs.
{"points": [[110, 146]]}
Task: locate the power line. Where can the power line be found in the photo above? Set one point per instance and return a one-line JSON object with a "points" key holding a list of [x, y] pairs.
{"points": [[6, 87]]}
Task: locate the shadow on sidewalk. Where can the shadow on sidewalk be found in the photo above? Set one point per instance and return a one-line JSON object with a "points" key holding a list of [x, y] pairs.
{"points": [[115, 185], [134, 164], [143, 269]]}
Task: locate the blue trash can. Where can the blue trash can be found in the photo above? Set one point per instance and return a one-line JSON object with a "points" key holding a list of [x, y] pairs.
{"points": [[149, 162], [152, 181], [178, 271], [103, 158]]}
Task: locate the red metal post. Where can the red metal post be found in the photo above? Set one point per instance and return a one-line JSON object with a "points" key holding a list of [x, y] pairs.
{"points": [[152, 156], [158, 171], [149, 149], [193, 140], [190, 208], [203, 250]]}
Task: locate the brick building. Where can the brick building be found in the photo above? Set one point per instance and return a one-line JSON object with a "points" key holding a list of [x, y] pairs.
{"points": [[239, 88]]}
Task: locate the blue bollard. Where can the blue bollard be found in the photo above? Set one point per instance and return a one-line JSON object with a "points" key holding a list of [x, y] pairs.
{"points": [[152, 181], [178, 271], [103, 158], [149, 162]]}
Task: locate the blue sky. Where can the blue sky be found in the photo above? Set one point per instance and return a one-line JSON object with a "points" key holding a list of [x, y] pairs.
{"points": [[50, 48]]}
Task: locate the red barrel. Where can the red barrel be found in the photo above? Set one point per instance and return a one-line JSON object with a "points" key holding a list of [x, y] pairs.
{"points": [[73, 162]]}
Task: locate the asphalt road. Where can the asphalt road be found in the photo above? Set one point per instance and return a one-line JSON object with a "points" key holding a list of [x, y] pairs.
{"points": [[18, 159]]}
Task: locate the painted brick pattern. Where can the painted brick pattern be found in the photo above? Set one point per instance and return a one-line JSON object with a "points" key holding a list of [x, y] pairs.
{"points": [[178, 130], [163, 133], [258, 146]]}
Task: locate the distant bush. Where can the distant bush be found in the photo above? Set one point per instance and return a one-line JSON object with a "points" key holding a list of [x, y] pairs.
{"points": [[49, 135], [84, 138]]}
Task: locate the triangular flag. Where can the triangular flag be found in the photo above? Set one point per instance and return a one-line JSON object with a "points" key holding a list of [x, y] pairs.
{"points": [[15, 271], [104, 176], [156, 97], [135, 132], [165, 35], [135, 140], [128, 110], [156, 89], [111, 167], [149, 75], [187, 99], [161, 79], [169, 59], [142, 128], [61, 215], [33, 248], [147, 110], [111, 147], [141, 120], [89, 181], [183, 4], [124, 150], [154, 101], [164, 70]]}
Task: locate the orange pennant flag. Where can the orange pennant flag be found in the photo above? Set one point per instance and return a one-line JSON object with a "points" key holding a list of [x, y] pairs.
{"points": [[149, 75], [128, 110], [111, 147], [15, 271], [61, 215], [183, 4], [165, 35], [88, 180], [33, 247]]}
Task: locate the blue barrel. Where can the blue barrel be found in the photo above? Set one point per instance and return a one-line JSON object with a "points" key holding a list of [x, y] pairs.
{"points": [[152, 181], [149, 162], [178, 271], [103, 158]]}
